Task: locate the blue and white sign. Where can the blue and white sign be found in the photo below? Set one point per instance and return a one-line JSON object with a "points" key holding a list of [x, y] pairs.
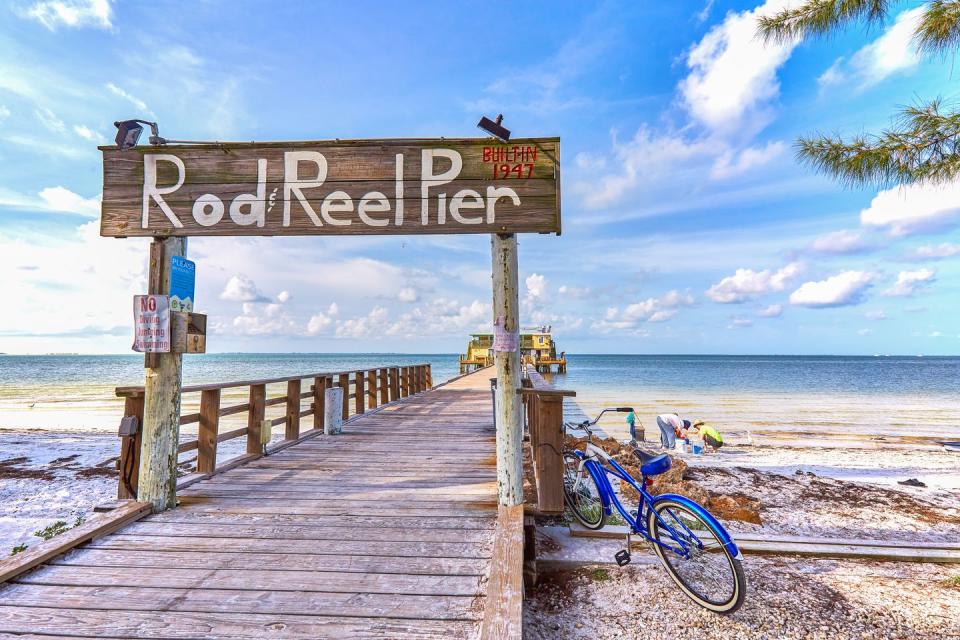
{"points": [[183, 279]]}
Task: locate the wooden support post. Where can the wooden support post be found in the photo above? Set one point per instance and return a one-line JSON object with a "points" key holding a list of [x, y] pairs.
{"points": [[506, 307], [157, 483], [359, 392], [402, 382], [319, 386], [394, 383], [372, 388], [421, 379], [549, 464], [258, 396], [129, 463], [429, 377], [207, 432], [408, 381], [384, 387], [344, 384], [292, 430]]}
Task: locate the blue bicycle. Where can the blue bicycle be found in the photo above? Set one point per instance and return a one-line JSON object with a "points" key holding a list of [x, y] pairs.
{"points": [[691, 544]]}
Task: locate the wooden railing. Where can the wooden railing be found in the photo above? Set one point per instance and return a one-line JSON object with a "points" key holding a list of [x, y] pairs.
{"points": [[362, 390], [544, 416]]}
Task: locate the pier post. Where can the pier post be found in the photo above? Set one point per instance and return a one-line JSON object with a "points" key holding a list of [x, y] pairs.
{"points": [[506, 356], [157, 483]]}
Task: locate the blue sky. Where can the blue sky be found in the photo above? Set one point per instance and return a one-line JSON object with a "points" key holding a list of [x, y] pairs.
{"points": [[688, 225]]}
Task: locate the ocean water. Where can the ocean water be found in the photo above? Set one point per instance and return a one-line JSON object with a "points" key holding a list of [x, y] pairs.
{"points": [[821, 398], [825, 398]]}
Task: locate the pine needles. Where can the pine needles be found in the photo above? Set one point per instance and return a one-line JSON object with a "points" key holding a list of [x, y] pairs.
{"points": [[924, 146], [924, 143]]}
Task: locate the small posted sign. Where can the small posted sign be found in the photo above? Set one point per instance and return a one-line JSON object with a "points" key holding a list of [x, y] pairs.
{"points": [[183, 278], [504, 341], [151, 324]]}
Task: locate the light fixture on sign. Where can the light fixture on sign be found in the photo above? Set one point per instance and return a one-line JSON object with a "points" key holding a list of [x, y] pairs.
{"points": [[128, 132], [494, 128]]}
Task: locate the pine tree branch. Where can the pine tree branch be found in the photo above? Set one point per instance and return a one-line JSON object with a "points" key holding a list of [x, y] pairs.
{"points": [[923, 147], [819, 17], [939, 28]]}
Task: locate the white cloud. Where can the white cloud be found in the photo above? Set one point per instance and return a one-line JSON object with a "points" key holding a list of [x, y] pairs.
{"points": [[135, 101], [648, 157], [283, 296], [372, 324], [242, 289], [914, 208], [891, 53], [63, 200], [704, 13], [732, 163], [50, 120], [320, 322], [841, 242], [733, 74], [846, 288], [4, 112], [649, 310], [935, 252], [73, 290], [739, 322], [771, 311], [407, 294], [71, 13], [88, 133], [536, 285], [876, 314], [746, 284], [909, 282], [864, 332]]}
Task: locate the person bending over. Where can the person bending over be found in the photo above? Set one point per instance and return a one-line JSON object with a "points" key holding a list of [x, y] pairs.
{"points": [[671, 426]]}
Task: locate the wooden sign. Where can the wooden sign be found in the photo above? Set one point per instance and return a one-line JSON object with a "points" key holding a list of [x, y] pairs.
{"points": [[355, 187]]}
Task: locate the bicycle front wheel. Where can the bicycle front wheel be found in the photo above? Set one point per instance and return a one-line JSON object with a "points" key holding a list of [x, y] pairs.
{"points": [[582, 494], [693, 555]]}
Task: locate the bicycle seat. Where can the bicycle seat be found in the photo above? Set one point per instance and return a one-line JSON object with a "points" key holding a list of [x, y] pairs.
{"points": [[650, 464]]}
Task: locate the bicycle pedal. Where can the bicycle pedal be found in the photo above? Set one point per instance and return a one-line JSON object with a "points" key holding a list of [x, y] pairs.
{"points": [[622, 557]]}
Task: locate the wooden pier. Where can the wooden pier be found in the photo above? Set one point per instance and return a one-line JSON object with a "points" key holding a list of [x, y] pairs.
{"points": [[388, 530]]}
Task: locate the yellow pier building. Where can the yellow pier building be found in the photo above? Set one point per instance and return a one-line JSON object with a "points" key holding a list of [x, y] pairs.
{"points": [[536, 347]]}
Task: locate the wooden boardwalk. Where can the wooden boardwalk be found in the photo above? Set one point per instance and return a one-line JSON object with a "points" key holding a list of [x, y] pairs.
{"points": [[385, 531]]}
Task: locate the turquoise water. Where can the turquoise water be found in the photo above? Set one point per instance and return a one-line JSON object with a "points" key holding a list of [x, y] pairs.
{"points": [[745, 396]]}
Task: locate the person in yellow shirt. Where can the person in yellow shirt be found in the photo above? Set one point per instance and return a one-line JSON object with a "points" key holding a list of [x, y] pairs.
{"points": [[711, 437]]}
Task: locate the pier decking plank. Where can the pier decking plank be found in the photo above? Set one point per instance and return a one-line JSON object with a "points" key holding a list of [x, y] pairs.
{"points": [[387, 530]]}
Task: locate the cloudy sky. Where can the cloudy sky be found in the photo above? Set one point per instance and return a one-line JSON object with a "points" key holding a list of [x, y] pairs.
{"points": [[688, 225]]}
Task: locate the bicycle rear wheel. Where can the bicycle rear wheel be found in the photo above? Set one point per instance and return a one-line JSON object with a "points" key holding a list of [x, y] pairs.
{"points": [[582, 494], [701, 565]]}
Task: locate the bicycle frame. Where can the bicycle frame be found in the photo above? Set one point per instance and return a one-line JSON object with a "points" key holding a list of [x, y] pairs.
{"points": [[608, 497]]}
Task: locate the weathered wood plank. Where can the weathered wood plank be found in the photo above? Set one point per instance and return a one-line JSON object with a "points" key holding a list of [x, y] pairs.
{"points": [[503, 616], [370, 533], [99, 525], [242, 626], [211, 560], [187, 543]]}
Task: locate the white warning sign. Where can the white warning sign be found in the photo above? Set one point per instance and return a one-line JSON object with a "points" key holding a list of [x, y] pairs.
{"points": [[151, 324]]}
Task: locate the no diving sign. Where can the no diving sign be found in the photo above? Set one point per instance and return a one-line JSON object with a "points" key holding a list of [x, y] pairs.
{"points": [[151, 324]]}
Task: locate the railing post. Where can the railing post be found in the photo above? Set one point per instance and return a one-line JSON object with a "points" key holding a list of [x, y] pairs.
{"points": [[129, 462], [384, 386], [549, 464], [319, 387], [344, 383], [359, 393], [429, 377], [207, 431], [394, 374], [421, 379], [292, 431], [258, 396], [372, 388]]}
